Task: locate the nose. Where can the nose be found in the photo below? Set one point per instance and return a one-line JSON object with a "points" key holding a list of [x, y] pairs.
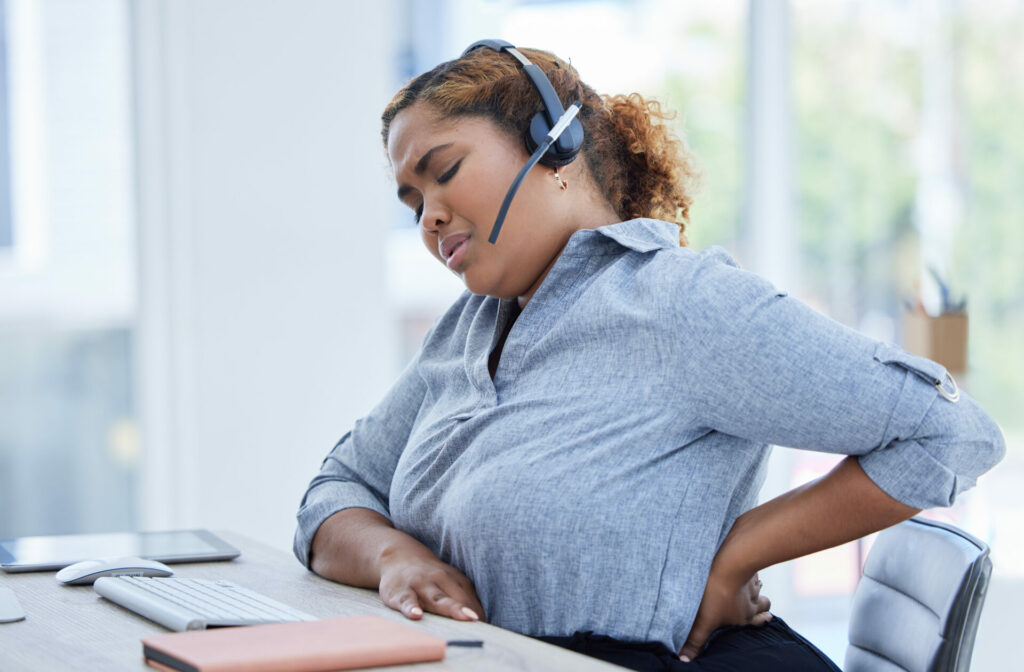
{"points": [[434, 216]]}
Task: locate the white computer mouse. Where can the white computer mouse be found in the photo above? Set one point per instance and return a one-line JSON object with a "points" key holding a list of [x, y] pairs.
{"points": [[87, 571]]}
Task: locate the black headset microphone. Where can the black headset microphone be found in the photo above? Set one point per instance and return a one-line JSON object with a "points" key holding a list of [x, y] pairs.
{"points": [[555, 135]]}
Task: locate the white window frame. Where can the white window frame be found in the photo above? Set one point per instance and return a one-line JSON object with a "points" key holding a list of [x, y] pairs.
{"points": [[7, 238]]}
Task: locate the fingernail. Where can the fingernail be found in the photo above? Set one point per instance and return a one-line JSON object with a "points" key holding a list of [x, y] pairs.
{"points": [[470, 613], [416, 611], [685, 659], [769, 617]]}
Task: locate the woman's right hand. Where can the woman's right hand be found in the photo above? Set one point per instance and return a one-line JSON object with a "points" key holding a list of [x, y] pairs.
{"points": [[414, 580], [362, 548]]}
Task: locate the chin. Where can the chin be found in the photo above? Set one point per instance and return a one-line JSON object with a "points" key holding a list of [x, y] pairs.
{"points": [[483, 286], [478, 288], [473, 282]]}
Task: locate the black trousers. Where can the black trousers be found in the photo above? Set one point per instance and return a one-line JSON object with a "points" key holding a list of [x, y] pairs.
{"points": [[768, 648]]}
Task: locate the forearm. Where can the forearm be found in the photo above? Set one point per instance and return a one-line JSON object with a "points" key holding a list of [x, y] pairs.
{"points": [[350, 546], [839, 507]]}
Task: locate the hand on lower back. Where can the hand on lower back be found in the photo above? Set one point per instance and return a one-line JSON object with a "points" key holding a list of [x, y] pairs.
{"points": [[726, 604]]}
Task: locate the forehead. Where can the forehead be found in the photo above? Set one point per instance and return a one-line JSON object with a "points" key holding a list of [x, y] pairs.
{"points": [[420, 127], [411, 127]]}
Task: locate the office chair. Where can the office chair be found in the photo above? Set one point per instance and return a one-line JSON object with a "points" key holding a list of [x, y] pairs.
{"points": [[916, 608]]}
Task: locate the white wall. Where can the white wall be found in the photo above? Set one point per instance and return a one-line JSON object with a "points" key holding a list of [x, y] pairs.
{"points": [[263, 218]]}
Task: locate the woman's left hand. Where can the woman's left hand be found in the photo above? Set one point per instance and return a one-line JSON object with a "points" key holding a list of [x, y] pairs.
{"points": [[726, 602]]}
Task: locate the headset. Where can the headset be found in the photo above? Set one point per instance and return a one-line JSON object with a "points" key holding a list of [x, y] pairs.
{"points": [[555, 136]]}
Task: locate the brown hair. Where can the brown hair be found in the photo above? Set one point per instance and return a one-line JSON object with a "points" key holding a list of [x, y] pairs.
{"points": [[638, 163]]}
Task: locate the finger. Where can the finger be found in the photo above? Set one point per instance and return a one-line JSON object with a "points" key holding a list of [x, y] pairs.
{"points": [[407, 603], [753, 587], [763, 603], [694, 642], [762, 618], [461, 589], [474, 605], [461, 580], [471, 600], [439, 602]]}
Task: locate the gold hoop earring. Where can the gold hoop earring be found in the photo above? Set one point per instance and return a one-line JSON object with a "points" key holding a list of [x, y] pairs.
{"points": [[562, 184]]}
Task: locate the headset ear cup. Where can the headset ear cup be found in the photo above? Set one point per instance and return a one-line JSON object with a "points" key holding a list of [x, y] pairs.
{"points": [[565, 148], [538, 130]]}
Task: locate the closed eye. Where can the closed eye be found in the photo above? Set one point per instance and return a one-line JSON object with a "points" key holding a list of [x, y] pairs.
{"points": [[450, 173]]}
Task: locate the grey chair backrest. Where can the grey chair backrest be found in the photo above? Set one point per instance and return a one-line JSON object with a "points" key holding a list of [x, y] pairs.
{"points": [[917, 606]]}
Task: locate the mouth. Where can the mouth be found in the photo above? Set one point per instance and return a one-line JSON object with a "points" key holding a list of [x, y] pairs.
{"points": [[452, 248]]}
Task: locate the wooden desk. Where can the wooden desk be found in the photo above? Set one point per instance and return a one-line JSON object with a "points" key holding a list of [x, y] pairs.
{"points": [[73, 628]]}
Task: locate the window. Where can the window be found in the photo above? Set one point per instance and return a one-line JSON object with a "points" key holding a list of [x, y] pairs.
{"points": [[6, 229], [911, 157], [68, 442]]}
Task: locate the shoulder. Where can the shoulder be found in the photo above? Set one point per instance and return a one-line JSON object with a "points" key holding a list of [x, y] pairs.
{"points": [[691, 263], [655, 243], [642, 258], [711, 274], [703, 290], [714, 272]]}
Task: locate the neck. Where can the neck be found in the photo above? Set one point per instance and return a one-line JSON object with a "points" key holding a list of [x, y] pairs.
{"points": [[591, 214]]}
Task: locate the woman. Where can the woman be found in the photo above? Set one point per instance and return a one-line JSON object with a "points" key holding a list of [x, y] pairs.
{"points": [[579, 443]]}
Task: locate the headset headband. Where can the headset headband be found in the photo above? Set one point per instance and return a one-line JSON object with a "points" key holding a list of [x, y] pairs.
{"points": [[568, 144]]}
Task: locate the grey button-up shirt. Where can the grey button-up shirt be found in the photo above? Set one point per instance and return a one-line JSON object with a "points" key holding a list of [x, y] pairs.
{"points": [[589, 485]]}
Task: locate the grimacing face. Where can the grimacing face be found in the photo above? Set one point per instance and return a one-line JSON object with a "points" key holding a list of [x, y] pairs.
{"points": [[454, 173]]}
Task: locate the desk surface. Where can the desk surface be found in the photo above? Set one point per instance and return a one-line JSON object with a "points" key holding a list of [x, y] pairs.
{"points": [[74, 628]]}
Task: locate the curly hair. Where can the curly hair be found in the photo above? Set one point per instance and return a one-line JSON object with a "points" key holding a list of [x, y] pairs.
{"points": [[641, 166]]}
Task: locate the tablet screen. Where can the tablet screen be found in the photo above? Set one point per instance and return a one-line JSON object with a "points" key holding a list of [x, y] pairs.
{"points": [[53, 552]]}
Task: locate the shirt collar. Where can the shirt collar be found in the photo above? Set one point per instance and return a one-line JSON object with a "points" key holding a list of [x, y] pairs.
{"points": [[642, 235]]}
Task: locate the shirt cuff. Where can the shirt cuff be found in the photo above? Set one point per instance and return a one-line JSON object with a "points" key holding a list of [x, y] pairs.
{"points": [[901, 465], [324, 501], [909, 473], [916, 396]]}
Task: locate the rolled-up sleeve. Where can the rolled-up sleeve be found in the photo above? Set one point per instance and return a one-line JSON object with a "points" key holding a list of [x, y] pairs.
{"points": [[358, 470], [930, 464], [768, 368]]}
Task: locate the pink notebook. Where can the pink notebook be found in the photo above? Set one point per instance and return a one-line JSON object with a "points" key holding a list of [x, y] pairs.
{"points": [[308, 646]]}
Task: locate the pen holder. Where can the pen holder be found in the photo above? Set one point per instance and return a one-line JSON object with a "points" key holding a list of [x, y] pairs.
{"points": [[942, 339]]}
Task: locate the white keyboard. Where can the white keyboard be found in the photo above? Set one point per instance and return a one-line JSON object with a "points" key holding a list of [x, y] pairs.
{"points": [[194, 604]]}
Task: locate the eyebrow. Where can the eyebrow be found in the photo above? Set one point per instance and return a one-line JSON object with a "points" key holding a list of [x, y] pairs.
{"points": [[421, 166]]}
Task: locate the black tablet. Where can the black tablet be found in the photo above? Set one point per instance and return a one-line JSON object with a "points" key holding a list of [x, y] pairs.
{"points": [[32, 554]]}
